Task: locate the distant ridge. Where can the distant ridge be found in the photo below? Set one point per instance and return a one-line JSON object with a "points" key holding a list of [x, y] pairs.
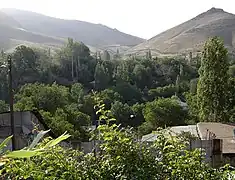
{"points": [[191, 35], [89, 33]]}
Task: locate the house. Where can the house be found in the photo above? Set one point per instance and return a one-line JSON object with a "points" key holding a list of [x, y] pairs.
{"points": [[27, 123], [175, 130], [217, 139], [223, 131]]}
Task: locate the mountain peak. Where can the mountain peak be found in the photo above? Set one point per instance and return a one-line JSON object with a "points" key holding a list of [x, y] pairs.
{"points": [[211, 11], [190, 36], [214, 10]]}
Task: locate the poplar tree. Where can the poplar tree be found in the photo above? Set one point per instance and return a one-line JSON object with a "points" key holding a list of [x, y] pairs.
{"points": [[213, 82], [106, 56]]}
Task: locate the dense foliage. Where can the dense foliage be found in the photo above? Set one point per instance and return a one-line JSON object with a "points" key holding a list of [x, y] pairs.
{"points": [[212, 92], [60, 86], [3, 106], [31, 151], [141, 92], [120, 157]]}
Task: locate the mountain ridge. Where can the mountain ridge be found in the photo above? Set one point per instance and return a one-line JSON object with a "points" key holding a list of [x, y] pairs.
{"points": [[190, 36], [11, 32], [89, 33]]}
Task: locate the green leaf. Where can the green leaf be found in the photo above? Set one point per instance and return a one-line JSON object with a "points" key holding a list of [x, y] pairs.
{"points": [[38, 138], [23, 154], [168, 147], [99, 111], [112, 119], [1, 164], [4, 143], [57, 140], [102, 117]]}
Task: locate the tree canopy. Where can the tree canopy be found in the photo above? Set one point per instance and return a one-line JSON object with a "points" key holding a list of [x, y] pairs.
{"points": [[137, 90], [213, 82]]}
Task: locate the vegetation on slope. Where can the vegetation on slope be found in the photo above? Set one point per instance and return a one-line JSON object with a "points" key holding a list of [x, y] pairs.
{"points": [[142, 93]]}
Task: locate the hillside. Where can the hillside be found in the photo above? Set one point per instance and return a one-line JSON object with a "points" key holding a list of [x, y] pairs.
{"points": [[191, 35], [90, 34], [8, 21], [13, 34], [11, 37]]}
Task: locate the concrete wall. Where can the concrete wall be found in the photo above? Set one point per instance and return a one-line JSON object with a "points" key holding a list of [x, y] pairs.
{"points": [[25, 122], [21, 118], [212, 149], [87, 147]]}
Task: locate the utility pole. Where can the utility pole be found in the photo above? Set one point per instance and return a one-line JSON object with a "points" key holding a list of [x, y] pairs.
{"points": [[11, 101]]}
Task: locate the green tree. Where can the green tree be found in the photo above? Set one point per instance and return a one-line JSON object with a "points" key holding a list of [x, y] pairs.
{"points": [[148, 54], [45, 64], [124, 71], [117, 55], [164, 112], [137, 118], [190, 58], [166, 92], [77, 93], [108, 96], [75, 62], [106, 56], [193, 86], [213, 82], [232, 70], [231, 96], [130, 93], [102, 76], [122, 112], [170, 69], [193, 110], [142, 76], [24, 64], [177, 84], [58, 122], [42, 97], [3, 106], [3, 84], [60, 107], [88, 105]]}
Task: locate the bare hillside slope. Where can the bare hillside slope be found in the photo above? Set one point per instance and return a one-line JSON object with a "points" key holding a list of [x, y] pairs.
{"points": [[191, 35]]}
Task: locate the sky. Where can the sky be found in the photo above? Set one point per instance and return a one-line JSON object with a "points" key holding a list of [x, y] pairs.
{"points": [[143, 18]]}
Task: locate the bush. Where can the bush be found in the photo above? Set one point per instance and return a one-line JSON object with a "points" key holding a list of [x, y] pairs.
{"points": [[120, 157], [164, 112], [3, 106], [166, 92]]}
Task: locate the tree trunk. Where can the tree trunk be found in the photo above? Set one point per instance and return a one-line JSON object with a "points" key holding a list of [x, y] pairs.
{"points": [[72, 68]]}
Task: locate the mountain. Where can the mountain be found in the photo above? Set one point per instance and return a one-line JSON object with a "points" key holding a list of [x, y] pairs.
{"points": [[12, 34], [8, 21], [191, 35], [96, 35]]}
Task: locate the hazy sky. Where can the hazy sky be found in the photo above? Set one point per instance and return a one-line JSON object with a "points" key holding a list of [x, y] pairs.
{"points": [[143, 18]]}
